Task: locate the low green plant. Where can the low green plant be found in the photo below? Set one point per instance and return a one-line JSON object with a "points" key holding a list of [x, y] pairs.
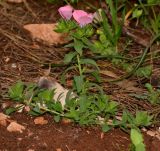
{"points": [[153, 94], [141, 119], [112, 31], [84, 110]]}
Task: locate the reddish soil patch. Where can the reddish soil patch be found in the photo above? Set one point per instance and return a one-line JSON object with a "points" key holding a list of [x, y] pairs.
{"points": [[68, 137]]}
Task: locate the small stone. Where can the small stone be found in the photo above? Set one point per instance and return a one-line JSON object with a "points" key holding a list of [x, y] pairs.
{"points": [[144, 129], [45, 33], [158, 137], [3, 116], [27, 108], [40, 121], [58, 149], [30, 150], [7, 59], [15, 127], [3, 119], [88, 132], [102, 135], [151, 133], [19, 139], [66, 121], [14, 65], [3, 122], [15, 1]]}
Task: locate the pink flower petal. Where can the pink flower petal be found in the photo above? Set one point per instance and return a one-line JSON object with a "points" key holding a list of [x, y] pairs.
{"points": [[82, 17], [66, 12]]}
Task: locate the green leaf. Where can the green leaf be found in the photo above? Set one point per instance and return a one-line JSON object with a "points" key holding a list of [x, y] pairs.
{"points": [[137, 13], [57, 118], [106, 27], [78, 46], [149, 87], [136, 137], [89, 44], [70, 45], [33, 113], [140, 147], [95, 74], [37, 111], [73, 114], [68, 57], [124, 117], [58, 106], [111, 107], [68, 96], [84, 103], [89, 61], [143, 119], [98, 87], [78, 83], [85, 32], [16, 91], [63, 76], [65, 26], [10, 110], [113, 10], [46, 95], [137, 140], [128, 117], [105, 128], [144, 71]]}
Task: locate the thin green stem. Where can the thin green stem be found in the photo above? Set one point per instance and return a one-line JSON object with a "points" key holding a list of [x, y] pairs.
{"points": [[79, 66], [48, 110]]}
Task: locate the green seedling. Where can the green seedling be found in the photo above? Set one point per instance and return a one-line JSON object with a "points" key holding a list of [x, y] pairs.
{"points": [[139, 120], [153, 94]]}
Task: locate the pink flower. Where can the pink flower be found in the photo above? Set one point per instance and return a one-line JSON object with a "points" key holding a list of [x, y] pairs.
{"points": [[82, 17], [66, 12]]}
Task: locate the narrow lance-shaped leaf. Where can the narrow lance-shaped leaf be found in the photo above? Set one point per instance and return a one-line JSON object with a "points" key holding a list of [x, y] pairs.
{"points": [[78, 46], [68, 57], [106, 27], [89, 61]]}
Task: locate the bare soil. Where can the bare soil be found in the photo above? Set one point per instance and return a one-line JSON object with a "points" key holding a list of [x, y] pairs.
{"points": [[68, 137], [22, 58]]}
